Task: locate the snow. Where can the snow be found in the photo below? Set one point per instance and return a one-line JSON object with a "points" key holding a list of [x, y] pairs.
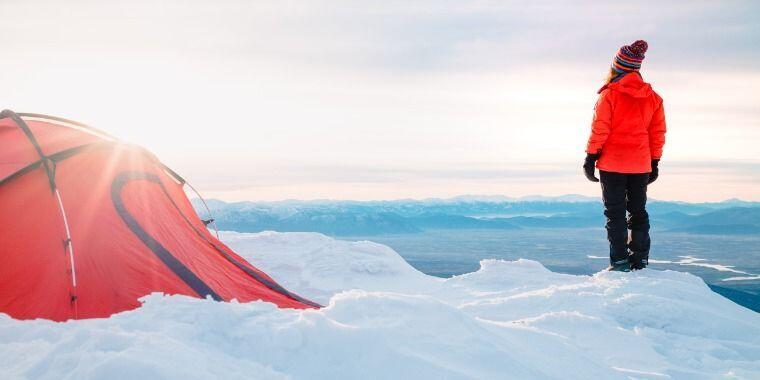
{"points": [[700, 262], [384, 319], [742, 278]]}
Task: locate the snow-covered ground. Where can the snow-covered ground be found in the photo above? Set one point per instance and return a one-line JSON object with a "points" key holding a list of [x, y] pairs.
{"points": [[384, 319]]}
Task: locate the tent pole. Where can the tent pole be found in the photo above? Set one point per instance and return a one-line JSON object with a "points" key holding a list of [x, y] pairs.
{"points": [[213, 220], [69, 245], [49, 166]]}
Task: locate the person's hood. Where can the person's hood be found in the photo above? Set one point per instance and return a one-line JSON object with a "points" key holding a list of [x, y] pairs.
{"points": [[630, 84]]}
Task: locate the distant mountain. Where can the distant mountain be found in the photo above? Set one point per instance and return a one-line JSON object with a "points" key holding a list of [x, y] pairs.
{"points": [[476, 198], [329, 223], [528, 198], [561, 221], [734, 215], [409, 216], [719, 229], [730, 221], [672, 217], [445, 221], [662, 207], [734, 202], [562, 198]]}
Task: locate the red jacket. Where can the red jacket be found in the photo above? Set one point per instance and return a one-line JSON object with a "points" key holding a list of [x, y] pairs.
{"points": [[628, 126]]}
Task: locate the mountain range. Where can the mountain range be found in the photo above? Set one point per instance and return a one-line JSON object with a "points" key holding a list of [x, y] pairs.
{"points": [[346, 218]]}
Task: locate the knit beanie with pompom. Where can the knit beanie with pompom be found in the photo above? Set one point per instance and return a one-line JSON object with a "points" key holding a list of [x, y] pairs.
{"points": [[629, 57]]}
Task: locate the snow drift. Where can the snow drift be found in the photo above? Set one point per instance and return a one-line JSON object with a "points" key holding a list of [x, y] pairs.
{"points": [[384, 319]]}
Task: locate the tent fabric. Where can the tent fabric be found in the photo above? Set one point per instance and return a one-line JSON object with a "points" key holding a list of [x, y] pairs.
{"points": [[113, 225]]}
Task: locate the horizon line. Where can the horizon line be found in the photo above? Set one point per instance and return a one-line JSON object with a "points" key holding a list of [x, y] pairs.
{"points": [[495, 198]]}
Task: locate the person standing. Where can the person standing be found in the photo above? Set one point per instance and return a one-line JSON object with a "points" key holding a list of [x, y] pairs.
{"points": [[626, 143]]}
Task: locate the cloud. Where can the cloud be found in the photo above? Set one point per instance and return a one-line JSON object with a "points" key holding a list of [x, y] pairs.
{"points": [[408, 95], [396, 36]]}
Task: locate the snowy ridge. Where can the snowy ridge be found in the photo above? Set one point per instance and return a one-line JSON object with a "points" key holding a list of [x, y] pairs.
{"points": [[384, 319]]}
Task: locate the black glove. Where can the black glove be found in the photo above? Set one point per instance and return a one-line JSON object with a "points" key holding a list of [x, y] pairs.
{"points": [[589, 166], [655, 171]]}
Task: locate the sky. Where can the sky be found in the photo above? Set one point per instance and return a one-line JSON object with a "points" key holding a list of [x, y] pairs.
{"points": [[270, 100]]}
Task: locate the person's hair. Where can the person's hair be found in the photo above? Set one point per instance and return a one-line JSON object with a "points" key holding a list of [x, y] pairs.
{"points": [[611, 75]]}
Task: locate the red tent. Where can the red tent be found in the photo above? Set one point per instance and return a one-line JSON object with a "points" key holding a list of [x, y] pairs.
{"points": [[88, 225]]}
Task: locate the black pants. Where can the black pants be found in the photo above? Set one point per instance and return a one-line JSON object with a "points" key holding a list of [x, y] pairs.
{"points": [[621, 193]]}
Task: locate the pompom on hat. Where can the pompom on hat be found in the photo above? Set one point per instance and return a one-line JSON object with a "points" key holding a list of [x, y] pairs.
{"points": [[629, 57]]}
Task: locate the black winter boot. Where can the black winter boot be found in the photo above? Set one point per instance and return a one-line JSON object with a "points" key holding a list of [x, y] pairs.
{"points": [[637, 262], [619, 266]]}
